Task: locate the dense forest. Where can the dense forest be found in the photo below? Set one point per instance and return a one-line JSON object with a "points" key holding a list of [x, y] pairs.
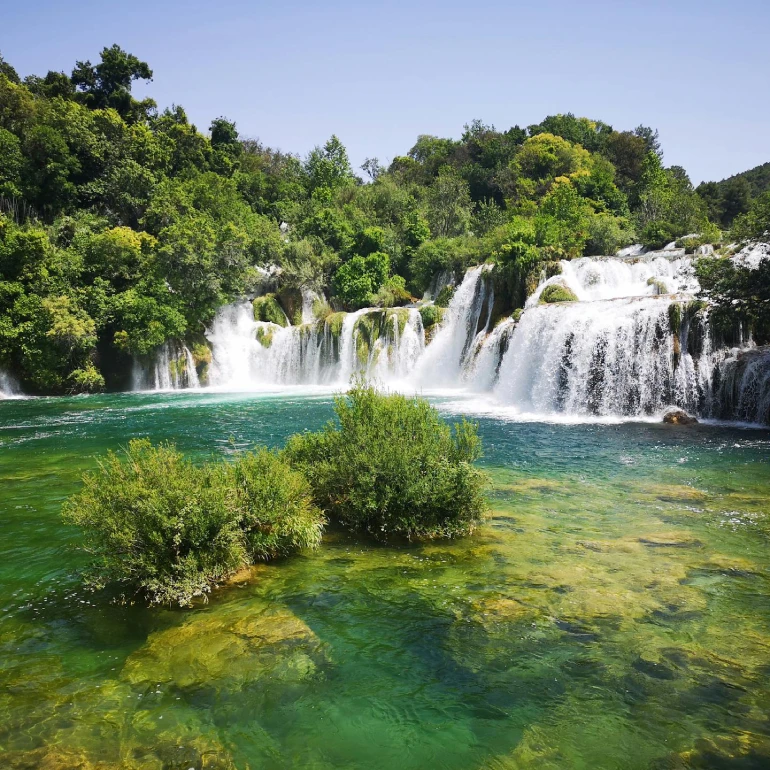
{"points": [[123, 226]]}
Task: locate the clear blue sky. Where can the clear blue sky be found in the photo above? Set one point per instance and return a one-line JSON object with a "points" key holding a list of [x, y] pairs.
{"points": [[378, 74]]}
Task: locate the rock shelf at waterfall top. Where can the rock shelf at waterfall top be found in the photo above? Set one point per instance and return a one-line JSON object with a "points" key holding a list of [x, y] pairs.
{"points": [[632, 342]]}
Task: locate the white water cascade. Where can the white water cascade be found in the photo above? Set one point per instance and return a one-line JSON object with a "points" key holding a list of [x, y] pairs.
{"points": [[603, 357], [9, 388], [172, 368], [448, 358], [380, 344], [631, 345]]}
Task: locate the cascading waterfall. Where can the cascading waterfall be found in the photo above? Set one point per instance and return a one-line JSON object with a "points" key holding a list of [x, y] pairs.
{"points": [[602, 358], [448, 358], [172, 368], [593, 279], [631, 345], [380, 344], [9, 388]]}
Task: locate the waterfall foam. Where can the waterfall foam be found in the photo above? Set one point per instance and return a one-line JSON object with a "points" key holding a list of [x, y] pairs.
{"points": [[602, 358], [380, 344], [603, 278], [466, 321], [171, 368]]}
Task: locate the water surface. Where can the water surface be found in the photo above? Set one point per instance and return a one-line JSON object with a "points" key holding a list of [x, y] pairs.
{"points": [[613, 613]]}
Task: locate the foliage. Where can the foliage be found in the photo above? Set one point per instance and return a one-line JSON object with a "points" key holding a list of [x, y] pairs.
{"points": [[159, 526], [393, 293], [733, 196], [431, 315], [755, 224], [739, 293], [358, 280], [267, 308], [445, 296], [393, 467], [146, 226]]}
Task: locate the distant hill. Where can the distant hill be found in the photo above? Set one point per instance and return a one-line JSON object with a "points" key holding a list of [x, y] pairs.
{"points": [[733, 196]]}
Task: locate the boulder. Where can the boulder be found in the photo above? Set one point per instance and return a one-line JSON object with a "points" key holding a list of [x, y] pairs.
{"points": [[676, 416]]}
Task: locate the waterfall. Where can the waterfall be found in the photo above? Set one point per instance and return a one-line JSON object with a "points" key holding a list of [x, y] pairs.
{"points": [[593, 279], [381, 344], [741, 387], [171, 368], [448, 357], [9, 387], [597, 358], [631, 345]]}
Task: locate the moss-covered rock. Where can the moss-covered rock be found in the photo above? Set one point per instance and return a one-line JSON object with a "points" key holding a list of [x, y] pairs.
{"points": [[556, 293], [675, 416], [290, 300], [267, 308], [401, 314], [658, 286], [265, 336], [334, 322], [432, 316]]}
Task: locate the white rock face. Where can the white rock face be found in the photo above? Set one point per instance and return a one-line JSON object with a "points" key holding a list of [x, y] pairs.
{"points": [[750, 256]]}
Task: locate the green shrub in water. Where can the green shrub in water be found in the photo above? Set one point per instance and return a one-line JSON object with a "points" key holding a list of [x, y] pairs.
{"points": [[275, 506], [160, 526], [393, 467]]}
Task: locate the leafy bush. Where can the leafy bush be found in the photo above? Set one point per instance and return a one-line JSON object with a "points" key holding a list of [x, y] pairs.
{"points": [[657, 234], [607, 234], [86, 380], [277, 515], [755, 224], [393, 467], [162, 527], [360, 278], [556, 293], [431, 315]]}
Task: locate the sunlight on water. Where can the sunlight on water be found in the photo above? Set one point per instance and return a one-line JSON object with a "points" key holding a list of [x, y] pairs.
{"points": [[613, 613]]}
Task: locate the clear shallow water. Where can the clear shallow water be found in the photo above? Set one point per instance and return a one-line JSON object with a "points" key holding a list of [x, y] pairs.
{"points": [[614, 612]]}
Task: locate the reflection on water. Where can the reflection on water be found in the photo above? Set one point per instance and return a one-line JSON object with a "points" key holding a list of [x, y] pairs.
{"points": [[613, 613]]}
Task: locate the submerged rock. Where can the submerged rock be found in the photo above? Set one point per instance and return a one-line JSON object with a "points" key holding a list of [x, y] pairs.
{"points": [[675, 416]]}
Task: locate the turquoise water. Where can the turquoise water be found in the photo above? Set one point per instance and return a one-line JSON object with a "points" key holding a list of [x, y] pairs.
{"points": [[613, 613]]}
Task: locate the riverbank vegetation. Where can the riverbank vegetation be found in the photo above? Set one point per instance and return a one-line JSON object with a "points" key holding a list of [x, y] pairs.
{"points": [[123, 226], [163, 528]]}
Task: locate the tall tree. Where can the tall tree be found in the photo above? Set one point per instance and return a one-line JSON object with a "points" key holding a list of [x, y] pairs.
{"points": [[108, 84]]}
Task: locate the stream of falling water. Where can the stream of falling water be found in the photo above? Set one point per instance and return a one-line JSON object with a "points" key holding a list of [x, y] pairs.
{"points": [[613, 352]]}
